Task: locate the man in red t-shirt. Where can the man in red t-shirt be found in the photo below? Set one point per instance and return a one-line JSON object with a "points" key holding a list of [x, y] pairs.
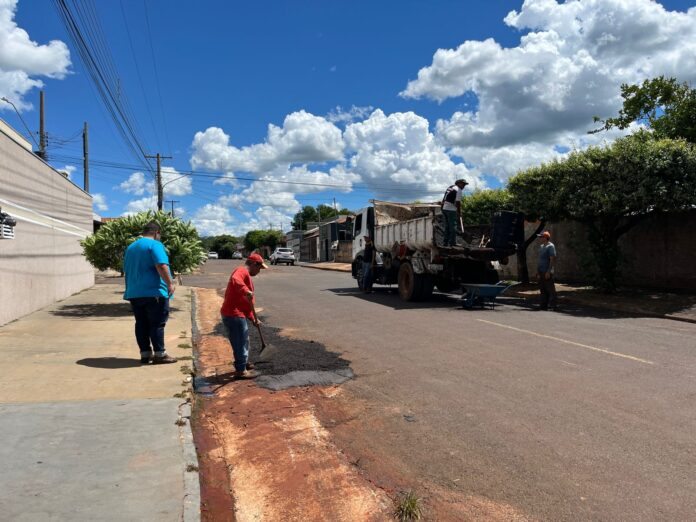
{"points": [[237, 307]]}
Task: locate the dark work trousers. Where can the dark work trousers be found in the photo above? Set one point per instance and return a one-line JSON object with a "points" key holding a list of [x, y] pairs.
{"points": [[548, 291], [151, 314]]}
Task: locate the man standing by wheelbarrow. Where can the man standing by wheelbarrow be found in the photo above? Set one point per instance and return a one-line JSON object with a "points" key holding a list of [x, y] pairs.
{"points": [[547, 261]]}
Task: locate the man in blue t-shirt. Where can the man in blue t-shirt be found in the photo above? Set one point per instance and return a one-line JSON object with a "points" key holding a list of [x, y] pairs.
{"points": [[547, 261], [149, 286]]}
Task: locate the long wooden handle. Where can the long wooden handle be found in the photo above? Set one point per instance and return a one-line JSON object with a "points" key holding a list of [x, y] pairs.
{"points": [[258, 327]]}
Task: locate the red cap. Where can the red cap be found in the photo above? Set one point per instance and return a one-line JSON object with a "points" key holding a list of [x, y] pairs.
{"points": [[255, 258], [545, 234]]}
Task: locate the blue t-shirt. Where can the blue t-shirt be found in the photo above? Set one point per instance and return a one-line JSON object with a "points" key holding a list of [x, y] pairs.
{"points": [[139, 265], [546, 252]]}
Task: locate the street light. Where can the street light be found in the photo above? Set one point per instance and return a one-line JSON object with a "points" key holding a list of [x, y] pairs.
{"points": [[22, 120]]}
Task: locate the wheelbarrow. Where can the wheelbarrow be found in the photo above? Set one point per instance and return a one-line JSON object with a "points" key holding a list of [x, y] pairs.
{"points": [[482, 295]]}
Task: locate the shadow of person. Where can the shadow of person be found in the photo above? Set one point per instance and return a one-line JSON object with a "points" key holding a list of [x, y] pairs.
{"points": [[109, 363]]}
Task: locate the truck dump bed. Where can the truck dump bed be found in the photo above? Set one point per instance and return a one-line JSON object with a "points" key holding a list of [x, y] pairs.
{"points": [[418, 225]]}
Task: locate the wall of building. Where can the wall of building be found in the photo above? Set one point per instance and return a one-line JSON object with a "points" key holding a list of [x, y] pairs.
{"points": [[44, 263], [344, 253], [657, 253]]}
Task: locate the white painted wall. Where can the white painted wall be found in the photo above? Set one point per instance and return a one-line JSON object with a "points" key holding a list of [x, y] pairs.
{"points": [[44, 263]]}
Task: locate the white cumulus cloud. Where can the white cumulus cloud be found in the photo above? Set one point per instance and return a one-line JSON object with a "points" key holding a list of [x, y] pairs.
{"points": [[399, 158], [99, 202], [213, 220], [22, 59], [567, 68], [303, 138]]}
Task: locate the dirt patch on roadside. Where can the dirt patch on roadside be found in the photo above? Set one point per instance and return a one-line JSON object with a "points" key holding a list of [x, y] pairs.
{"points": [[303, 453], [264, 455], [353, 424]]}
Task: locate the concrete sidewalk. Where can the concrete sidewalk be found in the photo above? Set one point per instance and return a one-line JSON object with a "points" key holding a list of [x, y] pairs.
{"points": [[88, 432], [650, 303]]}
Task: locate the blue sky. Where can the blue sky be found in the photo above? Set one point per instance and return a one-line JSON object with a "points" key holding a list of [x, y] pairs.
{"points": [[302, 102]]}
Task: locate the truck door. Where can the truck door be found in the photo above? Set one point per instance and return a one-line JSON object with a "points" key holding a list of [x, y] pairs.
{"points": [[359, 230]]}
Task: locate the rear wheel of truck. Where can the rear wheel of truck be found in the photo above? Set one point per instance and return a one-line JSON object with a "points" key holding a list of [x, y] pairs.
{"points": [[412, 286]]}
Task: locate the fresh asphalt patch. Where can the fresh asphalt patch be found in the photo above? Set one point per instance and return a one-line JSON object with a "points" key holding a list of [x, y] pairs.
{"points": [[287, 363]]}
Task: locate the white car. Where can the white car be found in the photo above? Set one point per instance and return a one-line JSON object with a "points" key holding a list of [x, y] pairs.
{"points": [[212, 255], [237, 255], [283, 255]]}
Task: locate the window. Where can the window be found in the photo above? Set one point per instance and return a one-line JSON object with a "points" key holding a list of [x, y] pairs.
{"points": [[357, 226]]}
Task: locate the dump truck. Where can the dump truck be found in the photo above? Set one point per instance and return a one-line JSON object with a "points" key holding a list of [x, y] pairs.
{"points": [[409, 241]]}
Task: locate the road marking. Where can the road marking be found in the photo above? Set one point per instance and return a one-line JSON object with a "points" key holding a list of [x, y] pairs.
{"points": [[594, 348]]}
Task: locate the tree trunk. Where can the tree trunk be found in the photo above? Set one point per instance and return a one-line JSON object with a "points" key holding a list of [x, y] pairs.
{"points": [[522, 269]]}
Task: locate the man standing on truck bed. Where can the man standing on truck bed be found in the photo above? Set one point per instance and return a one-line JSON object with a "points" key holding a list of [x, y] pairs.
{"points": [[452, 210]]}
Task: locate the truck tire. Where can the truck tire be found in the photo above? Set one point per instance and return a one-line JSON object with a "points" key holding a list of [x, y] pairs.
{"points": [[359, 274], [412, 286], [408, 287]]}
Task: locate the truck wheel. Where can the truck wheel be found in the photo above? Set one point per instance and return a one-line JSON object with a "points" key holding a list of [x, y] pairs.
{"points": [[359, 273], [407, 282]]}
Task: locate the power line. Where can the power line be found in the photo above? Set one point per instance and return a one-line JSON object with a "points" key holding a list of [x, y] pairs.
{"points": [[100, 68], [137, 69], [201, 174], [157, 81]]}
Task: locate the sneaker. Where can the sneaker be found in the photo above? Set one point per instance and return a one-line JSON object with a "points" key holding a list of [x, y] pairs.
{"points": [[145, 360], [163, 359], [250, 366]]}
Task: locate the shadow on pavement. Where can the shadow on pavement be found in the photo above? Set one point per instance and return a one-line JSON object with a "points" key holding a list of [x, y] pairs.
{"points": [[109, 363], [390, 297], [98, 310]]}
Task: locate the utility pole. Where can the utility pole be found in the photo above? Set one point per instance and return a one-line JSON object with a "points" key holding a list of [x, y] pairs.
{"points": [[85, 157], [172, 201], [42, 128], [160, 192]]}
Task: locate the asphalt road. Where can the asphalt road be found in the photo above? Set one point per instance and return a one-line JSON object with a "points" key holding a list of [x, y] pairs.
{"points": [[577, 415]]}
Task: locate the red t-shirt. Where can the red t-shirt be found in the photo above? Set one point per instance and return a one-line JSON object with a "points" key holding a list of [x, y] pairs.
{"points": [[236, 303]]}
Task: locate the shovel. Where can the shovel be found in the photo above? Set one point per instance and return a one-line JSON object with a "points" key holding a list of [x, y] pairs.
{"points": [[258, 327]]}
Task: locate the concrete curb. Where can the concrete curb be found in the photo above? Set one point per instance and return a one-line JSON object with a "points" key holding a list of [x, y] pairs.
{"points": [[338, 268], [192, 485]]}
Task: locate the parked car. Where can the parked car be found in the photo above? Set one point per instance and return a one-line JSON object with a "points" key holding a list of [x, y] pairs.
{"points": [[212, 255], [236, 255], [283, 255]]}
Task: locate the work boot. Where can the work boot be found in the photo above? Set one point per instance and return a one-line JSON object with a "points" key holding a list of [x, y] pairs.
{"points": [[163, 359]]}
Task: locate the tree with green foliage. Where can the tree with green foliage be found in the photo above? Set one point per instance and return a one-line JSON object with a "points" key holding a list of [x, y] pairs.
{"points": [[257, 239], [105, 249], [313, 214], [668, 107], [478, 209], [225, 245], [304, 216], [610, 190]]}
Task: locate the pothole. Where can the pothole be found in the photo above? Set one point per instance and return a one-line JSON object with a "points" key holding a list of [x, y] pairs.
{"points": [[287, 363]]}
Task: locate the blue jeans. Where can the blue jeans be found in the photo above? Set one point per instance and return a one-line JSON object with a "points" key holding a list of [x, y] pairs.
{"points": [[450, 227], [367, 276], [151, 314], [238, 335]]}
